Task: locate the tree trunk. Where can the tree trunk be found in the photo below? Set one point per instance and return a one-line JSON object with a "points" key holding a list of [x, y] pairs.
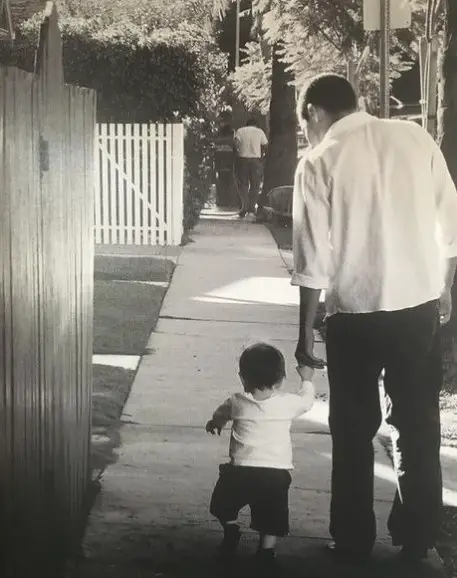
{"points": [[447, 131], [282, 151]]}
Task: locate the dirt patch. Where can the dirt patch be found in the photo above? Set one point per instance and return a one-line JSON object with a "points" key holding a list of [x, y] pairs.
{"points": [[111, 388], [121, 268]]}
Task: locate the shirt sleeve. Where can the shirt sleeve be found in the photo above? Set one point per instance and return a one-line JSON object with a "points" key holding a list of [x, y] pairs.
{"points": [[304, 401], [223, 413], [446, 204], [311, 228], [263, 139]]}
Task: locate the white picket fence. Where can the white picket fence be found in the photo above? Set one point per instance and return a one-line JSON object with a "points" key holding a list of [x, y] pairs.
{"points": [[140, 184]]}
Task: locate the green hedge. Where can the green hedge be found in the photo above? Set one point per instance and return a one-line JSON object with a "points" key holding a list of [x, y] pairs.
{"points": [[163, 76]]}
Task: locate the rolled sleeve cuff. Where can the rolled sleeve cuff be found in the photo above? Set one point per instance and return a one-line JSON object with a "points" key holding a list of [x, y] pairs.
{"points": [[449, 252], [301, 280]]}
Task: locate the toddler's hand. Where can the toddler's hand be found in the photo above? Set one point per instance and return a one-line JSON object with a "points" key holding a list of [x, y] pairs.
{"points": [[305, 372], [212, 428]]}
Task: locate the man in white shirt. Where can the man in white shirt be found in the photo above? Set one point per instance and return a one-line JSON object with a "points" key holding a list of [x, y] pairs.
{"points": [[250, 145], [375, 226]]}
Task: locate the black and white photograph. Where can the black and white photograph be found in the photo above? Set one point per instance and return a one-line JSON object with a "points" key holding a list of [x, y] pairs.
{"points": [[228, 307]]}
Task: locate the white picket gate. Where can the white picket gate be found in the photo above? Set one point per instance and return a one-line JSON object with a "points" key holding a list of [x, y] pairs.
{"points": [[140, 184]]}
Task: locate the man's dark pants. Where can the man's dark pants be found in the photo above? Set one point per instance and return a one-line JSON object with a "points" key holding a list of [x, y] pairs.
{"points": [[250, 178], [406, 344]]}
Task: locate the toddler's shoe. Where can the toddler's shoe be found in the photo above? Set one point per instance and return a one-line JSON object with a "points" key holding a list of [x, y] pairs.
{"points": [[230, 541], [267, 564]]}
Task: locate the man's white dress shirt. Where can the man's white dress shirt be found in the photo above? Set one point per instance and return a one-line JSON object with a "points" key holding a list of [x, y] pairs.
{"points": [[374, 216]]}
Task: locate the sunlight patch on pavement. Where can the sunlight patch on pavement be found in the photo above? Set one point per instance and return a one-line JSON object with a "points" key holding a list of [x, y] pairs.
{"points": [[387, 473], [123, 361], [380, 470], [266, 290], [317, 414]]}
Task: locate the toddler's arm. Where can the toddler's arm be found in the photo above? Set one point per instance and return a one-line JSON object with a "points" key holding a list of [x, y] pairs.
{"points": [[221, 417], [307, 391]]}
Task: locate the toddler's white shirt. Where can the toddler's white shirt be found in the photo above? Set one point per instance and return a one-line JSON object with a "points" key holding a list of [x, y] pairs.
{"points": [[260, 434]]}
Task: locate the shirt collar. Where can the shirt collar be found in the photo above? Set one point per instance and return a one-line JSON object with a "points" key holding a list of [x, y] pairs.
{"points": [[349, 122]]}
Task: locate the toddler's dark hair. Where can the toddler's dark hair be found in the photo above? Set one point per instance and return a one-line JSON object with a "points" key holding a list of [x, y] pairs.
{"points": [[262, 366]]}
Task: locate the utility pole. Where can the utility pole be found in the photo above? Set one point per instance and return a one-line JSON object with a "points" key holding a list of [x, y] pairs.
{"points": [[384, 53], [385, 16], [237, 37]]}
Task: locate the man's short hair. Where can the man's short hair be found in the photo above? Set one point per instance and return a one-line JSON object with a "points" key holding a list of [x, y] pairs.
{"points": [[252, 121], [331, 92]]}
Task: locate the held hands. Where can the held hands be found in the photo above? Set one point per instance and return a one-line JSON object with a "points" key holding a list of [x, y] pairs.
{"points": [[445, 307], [212, 428], [305, 372], [304, 353]]}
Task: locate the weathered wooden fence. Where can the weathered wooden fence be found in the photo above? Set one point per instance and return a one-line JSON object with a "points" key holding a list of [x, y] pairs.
{"points": [[47, 152], [140, 184]]}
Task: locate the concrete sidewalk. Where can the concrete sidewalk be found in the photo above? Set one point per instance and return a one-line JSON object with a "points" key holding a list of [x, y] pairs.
{"points": [[230, 288]]}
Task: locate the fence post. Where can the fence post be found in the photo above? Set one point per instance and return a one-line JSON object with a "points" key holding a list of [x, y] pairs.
{"points": [[178, 183]]}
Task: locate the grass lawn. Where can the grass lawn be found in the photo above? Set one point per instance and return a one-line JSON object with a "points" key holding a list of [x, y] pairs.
{"points": [[282, 235], [126, 311], [111, 388], [121, 268]]}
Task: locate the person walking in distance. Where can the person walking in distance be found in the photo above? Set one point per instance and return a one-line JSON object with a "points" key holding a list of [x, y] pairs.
{"points": [[375, 225], [224, 157], [250, 145]]}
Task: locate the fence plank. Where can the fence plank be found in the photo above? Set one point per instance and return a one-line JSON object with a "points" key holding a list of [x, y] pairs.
{"points": [[145, 182], [105, 185], [114, 190], [98, 200], [162, 236], [168, 197], [121, 186], [129, 183], [136, 178], [176, 211]]}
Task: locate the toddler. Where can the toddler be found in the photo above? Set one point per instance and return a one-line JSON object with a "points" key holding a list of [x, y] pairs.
{"points": [[258, 473]]}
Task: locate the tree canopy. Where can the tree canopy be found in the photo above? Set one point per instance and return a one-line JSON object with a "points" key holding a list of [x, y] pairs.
{"points": [[318, 36]]}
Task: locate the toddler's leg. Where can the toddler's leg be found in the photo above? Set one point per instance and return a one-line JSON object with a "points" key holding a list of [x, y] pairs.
{"points": [[266, 556], [231, 539], [270, 515], [227, 500], [267, 542]]}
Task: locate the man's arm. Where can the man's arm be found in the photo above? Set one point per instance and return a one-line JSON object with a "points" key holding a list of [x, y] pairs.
{"points": [[264, 144], [237, 143], [446, 206], [309, 303], [311, 245], [446, 296]]}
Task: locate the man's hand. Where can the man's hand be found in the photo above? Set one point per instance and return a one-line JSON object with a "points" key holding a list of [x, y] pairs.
{"points": [[212, 428], [445, 306], [309, 303], [304, 354]]}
